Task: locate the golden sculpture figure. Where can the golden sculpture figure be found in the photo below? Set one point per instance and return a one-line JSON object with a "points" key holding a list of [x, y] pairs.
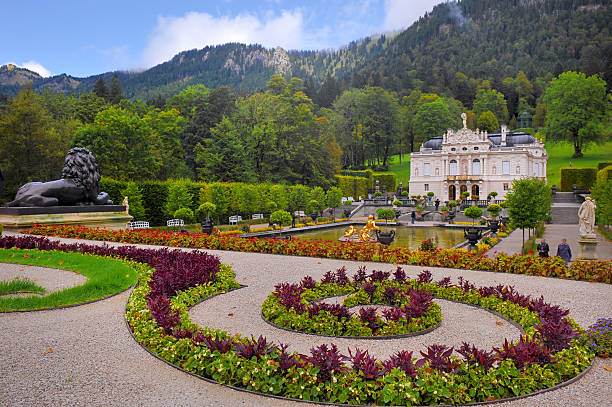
{"points": [[350, 231], [126, 204], [364, 233]]}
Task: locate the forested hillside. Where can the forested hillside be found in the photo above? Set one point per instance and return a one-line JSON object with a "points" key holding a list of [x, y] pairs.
{"points": [[478, 39]]}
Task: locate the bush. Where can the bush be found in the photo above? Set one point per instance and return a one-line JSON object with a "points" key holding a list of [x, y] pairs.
{"points": [[154, 197], [430, 194], [444, 209], [352, 186], [452, 204], [114, 189], [582, 177], [205, 210], [281, 218], [386, 214], [134, 194], [184, 213], [377, 193], [397, 202], [404, 193], [313, 206], [348, 202], [386, 179]]}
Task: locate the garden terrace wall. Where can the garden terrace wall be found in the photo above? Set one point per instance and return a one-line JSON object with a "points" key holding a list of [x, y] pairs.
{"points": [[600, 271]]}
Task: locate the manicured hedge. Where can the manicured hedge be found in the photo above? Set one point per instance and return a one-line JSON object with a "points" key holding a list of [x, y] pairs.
{"points": [[582, 177], [604, 174], [362, 174], [353, 186], [601, 166], [388, 179]]}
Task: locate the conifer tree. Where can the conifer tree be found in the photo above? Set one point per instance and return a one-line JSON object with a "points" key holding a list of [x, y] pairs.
{"points": [[100, 88], [115, 93]]}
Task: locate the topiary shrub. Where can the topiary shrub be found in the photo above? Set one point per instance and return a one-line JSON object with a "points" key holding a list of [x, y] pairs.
{"points": [[184, 213], [205, 210], [397, 202], [430, 194], [494, 210], [377, 193], [404, 193], [581, 177], [385, 213], [473, 212], [281, 218]]}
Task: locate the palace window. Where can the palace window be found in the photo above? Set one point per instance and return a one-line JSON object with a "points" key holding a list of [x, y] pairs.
{"points": [[475, 148], [506, 167], [437, 171], [453, 149], [505, 186], [427, 169], [494, 170], [518, 169], [476, 167], [426, 187], [453, 168], [536, 170], [464, 148]]}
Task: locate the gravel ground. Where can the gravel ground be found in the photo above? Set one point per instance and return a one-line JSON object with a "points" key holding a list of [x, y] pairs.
{"points": [[86, 356], [49, 278]]}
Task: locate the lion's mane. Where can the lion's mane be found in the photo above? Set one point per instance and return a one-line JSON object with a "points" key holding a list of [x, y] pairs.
{"points": [[81, 167]]}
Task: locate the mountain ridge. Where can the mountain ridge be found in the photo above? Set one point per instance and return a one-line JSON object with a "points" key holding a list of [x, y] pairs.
{"points": [[479, 38]]}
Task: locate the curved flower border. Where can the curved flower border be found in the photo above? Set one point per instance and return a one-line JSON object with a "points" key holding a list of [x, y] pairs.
{"points": [[271, 371]]}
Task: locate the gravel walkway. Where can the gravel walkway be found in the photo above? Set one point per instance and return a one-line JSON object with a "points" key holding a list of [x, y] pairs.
{"points": [[86, 356]]}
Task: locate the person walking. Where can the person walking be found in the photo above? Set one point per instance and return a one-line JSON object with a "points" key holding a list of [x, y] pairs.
{"points": [[564, 251], [412, 217], [437, 204], [543, 248]]}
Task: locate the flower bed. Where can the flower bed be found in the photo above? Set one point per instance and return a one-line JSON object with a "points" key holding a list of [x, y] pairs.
{"points": [[600, 271], [157, 312], [546, 355], [295, 306]]}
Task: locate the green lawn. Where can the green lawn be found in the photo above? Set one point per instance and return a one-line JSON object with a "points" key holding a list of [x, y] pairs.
{"points": [[559, 155], [105, 276]]}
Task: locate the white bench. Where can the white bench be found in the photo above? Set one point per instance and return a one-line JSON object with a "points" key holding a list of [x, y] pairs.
{"points": [[175, 222], [299, 213], [233, 220], [138, 225], [258, 216]]}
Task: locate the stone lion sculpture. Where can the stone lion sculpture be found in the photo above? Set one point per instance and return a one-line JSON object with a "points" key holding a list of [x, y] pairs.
{"points": [[79, 185]]}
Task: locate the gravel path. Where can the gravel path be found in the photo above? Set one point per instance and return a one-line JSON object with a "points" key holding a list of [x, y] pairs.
{"points": [[49, 278], [86, 356]]}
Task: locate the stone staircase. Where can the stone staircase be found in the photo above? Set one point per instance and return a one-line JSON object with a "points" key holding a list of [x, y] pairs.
{"points": [[564, 210]]}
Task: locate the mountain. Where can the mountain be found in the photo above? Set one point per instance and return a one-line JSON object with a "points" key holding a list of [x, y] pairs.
{"points": [[482, 39]]}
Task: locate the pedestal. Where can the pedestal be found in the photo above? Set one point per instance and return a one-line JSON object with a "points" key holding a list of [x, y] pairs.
{"points": [[22, 218], [588, 247]]}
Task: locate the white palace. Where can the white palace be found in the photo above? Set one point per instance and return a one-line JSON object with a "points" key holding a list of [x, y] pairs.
{"points": [[474, 161]]}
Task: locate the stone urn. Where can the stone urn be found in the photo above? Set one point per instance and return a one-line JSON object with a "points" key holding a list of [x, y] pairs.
{"points": [[385, 238], [451, 216], [207, 226], [494, 226], [473, 235], [314, 216]]}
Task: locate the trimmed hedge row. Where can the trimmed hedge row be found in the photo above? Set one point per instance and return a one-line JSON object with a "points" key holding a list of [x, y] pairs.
{"points": [[601, 166], [582, 177], [604, 174], [352, 186], [359, 184]]}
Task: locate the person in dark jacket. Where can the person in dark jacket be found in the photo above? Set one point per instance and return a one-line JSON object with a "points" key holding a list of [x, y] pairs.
{"points": [[437, 204], [564, 251], [543, 248], [413, 216]]}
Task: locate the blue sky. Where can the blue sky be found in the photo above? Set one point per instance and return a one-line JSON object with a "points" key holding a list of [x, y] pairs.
{"points": [[83, 37]]}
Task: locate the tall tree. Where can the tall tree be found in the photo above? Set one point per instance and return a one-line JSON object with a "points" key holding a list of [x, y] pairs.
{"points": [[115, 92], [578, 110], [30, 147], [433, 119], [100, 89], [528, 203], [492, 100]]}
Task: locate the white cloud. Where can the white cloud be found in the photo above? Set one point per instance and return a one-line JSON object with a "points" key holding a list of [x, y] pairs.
{"points": [[197, 30], [402, 13], [34, 67]]}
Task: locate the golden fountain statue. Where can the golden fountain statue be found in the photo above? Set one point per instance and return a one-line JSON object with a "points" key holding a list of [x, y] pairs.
{"points": [[350, 231], [364, 233]]}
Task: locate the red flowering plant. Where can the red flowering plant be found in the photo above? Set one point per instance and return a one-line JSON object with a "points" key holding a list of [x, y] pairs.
{"points": [[599, 271]]}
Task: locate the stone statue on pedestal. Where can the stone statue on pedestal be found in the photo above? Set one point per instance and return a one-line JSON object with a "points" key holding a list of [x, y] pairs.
{"points": [[126, 204], [586, 217], [79, 185]]}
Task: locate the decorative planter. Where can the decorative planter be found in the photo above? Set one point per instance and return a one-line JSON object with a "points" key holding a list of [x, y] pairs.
{"points": [[494, 226], [472, 235], [314, 216], [207, 226], [385, 238]]}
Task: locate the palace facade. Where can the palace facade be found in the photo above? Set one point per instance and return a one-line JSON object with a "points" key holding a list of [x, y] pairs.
{"points": [[474, 161]]}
